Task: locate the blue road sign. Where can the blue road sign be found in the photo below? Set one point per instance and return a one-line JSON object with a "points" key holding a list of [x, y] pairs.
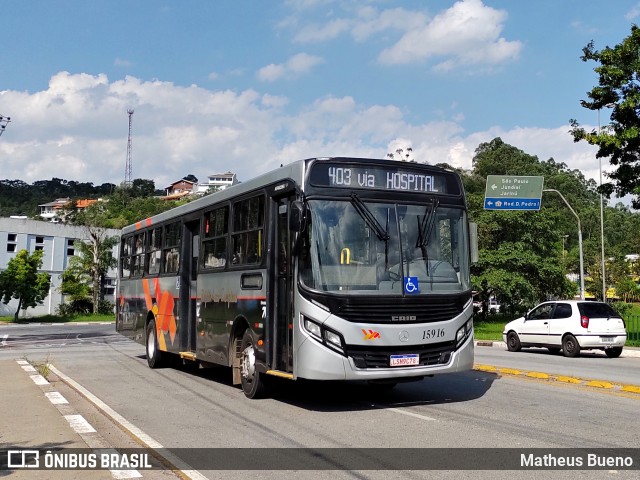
{"points": [[512, 204]]}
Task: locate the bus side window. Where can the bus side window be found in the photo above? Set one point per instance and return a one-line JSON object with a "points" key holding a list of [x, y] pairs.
{"points": [[125, 257], [248, 224], [154, 255], [214, 244], [171, 250]]}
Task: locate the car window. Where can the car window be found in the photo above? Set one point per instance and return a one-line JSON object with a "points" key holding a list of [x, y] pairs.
{"points": [[597, 310], [542, 312], [563, 310]]}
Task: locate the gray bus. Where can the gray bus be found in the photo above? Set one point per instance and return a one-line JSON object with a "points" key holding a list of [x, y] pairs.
{"points": [[324, 269]]}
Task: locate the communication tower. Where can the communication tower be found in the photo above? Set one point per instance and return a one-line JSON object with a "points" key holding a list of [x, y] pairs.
{"points": [[127, 168]]}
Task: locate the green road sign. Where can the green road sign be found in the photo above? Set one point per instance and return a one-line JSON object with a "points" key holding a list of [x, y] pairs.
{"points": [[513, 192]]}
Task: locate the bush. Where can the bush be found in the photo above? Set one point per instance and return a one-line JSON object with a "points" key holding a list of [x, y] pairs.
{"points": [[105, 307], [623, 308], [74, 307]]}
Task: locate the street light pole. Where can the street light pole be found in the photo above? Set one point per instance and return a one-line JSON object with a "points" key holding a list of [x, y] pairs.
{"points": [[579, 239], [604, 286]]}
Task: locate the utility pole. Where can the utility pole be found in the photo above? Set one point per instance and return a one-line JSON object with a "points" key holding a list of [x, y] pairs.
{"points": [[127, 168]]}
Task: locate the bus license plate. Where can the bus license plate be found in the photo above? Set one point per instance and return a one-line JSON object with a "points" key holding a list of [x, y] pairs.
{"points": [[606, 339], [404, 360]]}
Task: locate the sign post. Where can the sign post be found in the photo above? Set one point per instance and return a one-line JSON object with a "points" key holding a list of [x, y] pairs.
{"points": [[513, 192]]}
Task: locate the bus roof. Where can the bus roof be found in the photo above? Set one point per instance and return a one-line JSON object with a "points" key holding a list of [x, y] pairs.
{"points": [[294, 171]]}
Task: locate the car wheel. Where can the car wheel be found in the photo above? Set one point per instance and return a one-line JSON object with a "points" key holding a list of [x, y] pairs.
{"points": [[570, 346], [252, 382], [513, 342], [613, 352], [554, 350]]}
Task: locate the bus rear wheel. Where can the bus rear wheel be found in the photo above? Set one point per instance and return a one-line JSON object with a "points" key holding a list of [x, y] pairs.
{"points": [[155, 357], [253, 384]]}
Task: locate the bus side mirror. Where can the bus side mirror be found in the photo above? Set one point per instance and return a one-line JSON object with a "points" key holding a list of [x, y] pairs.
{"points": [[297, 217], [473, 242]]}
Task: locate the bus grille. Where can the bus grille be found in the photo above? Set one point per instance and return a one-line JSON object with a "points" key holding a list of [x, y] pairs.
{"points": [[374, 312], [431, 354]]}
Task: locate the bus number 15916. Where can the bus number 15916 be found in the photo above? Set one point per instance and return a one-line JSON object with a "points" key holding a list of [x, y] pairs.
{"points": [[432, 333]]}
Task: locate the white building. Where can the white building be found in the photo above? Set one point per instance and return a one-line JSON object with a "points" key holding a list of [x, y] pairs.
{"points": [[59, 244], [219, 181]]}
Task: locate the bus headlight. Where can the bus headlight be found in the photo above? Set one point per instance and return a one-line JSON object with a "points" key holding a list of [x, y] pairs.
{"points": [[312, 327], [324, 335], [333, 338], [463, 333]]}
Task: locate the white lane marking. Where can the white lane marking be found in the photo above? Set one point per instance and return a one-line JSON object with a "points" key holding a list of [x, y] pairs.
{"points": [[22, 362], [79, 424], [410, 414], [124, 474], [185, 469], [29, 368], [39, 380], [4, 339], [56, 398]]}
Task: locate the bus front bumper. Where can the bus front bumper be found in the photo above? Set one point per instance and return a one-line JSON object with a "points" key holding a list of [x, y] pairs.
{"points": [[317, 362]]}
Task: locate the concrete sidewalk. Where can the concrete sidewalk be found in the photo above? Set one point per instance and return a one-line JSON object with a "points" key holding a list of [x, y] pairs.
{"points": [[29, 420]]}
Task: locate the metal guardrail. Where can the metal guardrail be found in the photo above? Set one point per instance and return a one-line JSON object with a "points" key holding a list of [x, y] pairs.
{"points": [[633, 328]]}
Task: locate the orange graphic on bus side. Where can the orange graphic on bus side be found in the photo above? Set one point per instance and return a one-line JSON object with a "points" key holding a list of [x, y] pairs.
{"points": [[161, 304]]}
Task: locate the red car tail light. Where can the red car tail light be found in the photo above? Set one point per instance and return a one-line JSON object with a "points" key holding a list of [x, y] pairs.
{"points": [[584, 321]]}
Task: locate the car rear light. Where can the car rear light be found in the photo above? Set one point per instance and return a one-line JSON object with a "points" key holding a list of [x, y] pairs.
{"points": [[584, 321]]}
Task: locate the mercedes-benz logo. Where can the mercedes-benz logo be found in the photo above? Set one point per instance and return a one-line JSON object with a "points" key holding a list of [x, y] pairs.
{"points": [[403, 336]]}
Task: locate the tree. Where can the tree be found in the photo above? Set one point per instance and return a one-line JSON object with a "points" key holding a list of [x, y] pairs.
{"points": [[22, 281], [618, 87], [87, 270]]}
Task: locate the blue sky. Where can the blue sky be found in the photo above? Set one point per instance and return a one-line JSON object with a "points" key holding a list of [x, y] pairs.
{"points": [[247, 85]]}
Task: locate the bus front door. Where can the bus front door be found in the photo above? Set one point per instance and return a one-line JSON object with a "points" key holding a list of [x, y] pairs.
{"points": [[282, 297]]}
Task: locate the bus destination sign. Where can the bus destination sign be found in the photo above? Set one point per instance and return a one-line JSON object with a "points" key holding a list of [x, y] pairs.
{"points": [[382, 177]]}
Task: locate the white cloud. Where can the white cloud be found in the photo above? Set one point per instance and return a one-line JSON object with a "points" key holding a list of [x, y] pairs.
{"points": [[77, 129], [468, 33], [298, 64]]}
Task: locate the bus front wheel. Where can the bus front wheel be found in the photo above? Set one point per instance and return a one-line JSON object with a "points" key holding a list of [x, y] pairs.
{"points": [[155, 358], [252, 382]]}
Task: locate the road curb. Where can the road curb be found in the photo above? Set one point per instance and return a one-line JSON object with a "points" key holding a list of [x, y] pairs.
{"points": [[597, 384]]}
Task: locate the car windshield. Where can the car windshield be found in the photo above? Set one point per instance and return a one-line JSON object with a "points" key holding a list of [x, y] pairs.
{"points": [[385, 248]]}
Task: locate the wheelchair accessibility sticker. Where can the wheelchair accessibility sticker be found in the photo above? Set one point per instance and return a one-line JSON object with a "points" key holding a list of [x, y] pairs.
{"points": [[411, 285]]}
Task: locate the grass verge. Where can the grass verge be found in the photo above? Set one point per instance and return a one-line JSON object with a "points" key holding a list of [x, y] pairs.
{"points": [[60, 319]]}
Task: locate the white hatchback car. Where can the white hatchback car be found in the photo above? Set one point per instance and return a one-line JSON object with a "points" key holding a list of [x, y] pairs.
{"points": [[570, 325]]}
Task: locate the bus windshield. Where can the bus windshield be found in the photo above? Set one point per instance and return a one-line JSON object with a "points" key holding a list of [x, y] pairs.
{"points": [[385, 248]]}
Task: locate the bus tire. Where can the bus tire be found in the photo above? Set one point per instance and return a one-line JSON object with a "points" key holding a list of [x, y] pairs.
{"points": [[253, 384], [155, 358]]}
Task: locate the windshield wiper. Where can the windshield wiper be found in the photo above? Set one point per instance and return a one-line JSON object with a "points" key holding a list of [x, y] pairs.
{"points": [[424, 231], [372, 222], [369, 218]]}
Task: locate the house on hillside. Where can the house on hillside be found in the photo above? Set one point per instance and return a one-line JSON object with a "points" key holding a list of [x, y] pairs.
{"points": [[181, 188], [218, 181], [51, 212], [58, 242]]}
